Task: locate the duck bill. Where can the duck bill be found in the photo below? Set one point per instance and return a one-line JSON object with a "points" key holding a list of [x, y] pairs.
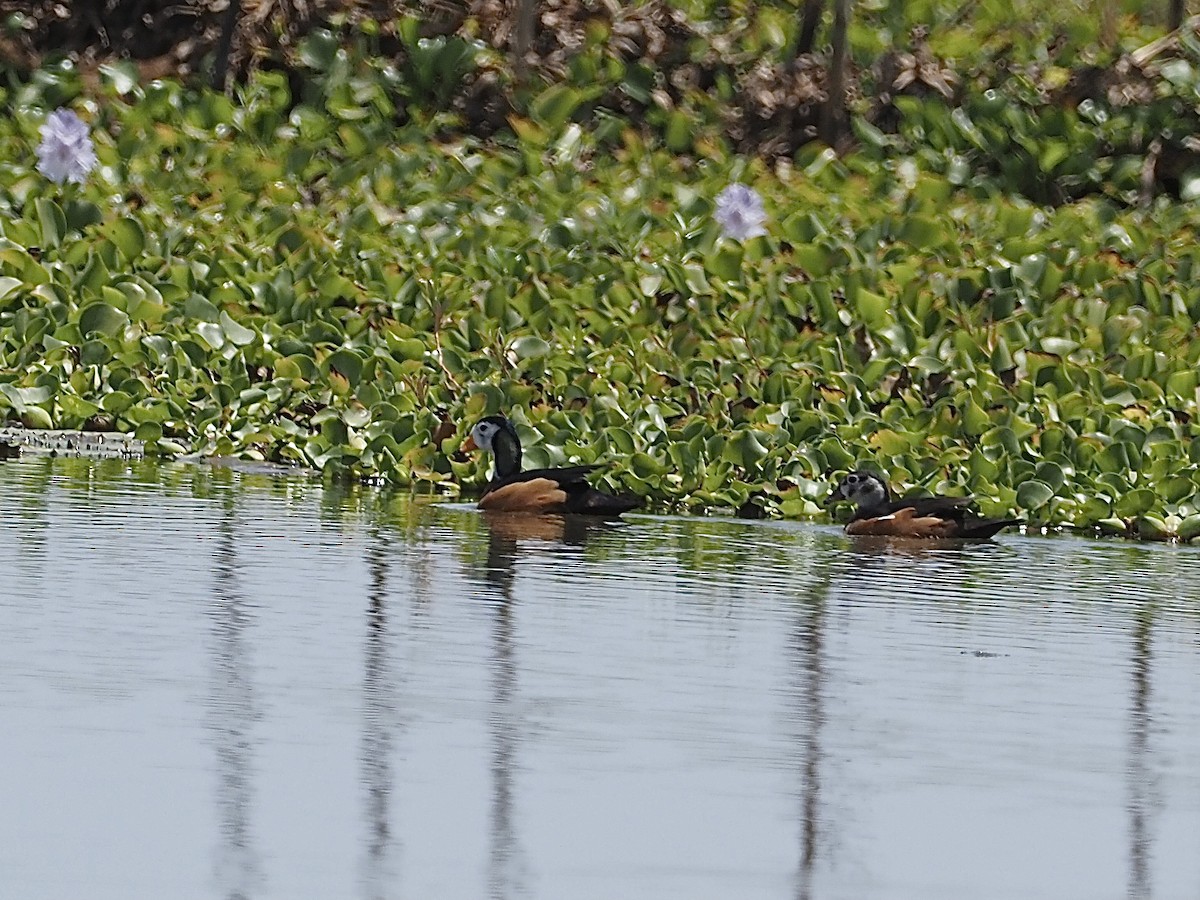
{"points": [[469, 444]]}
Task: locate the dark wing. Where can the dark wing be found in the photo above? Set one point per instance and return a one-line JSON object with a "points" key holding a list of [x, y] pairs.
{"points": [[568, 477], [953, 508], [985, 528]]}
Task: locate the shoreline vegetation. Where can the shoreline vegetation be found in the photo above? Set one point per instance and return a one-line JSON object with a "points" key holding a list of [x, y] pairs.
{"points": [[384, 229]]}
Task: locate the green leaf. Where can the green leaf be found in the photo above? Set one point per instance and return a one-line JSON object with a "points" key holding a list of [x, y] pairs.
{"points": [[36, 417], [873, 309], [1189, 529], [1002, 360], [116, 402], [212, 334], [101, 318], [122, 75], [52, 221], [553, 107], [726, 263], [1051, 474], [530, 347], [128, 237], [922, 232], [348, 363], [8, 284], [889, 442], [744, 449], [238, 335], [197, 307], [318, 49], [1033, 494], [1135, 503], [1152, 528]]}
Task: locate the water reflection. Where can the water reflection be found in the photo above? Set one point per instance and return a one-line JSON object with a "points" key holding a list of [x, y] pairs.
{"points": [[519, 706], [1140, 777], [806, 642], [232, 716], [379, 709], [504, 533]]}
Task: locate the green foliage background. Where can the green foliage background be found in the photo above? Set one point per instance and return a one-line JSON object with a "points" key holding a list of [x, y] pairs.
{"points": [[975, 301]]}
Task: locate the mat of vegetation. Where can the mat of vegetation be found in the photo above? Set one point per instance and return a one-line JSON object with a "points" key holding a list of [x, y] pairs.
{"points": [[298, 279]]}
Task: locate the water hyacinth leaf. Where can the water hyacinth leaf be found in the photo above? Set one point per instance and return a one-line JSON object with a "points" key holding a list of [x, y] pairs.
{"points": [[813, 259], [318, 49], [1135, 503], [1189, 529], [530, 347], [197, 307], [922, 232], [211, 334], [1094, 509], [120, 75], [238, 335], [356, 417], [1051, 474], [75, 409], [116, 402], [82, 213], [1002, 359], [409, 348], [149, 432], [744, 449], [889, 442], [554, 106], [8, 285], [726, 262], [873, 309], [10, 399], [346, 363], [102, 318], [679, 131], [1152, 528], [128, 237], [1033, 494], [36, 417], [51, 220], [1176, 488]]}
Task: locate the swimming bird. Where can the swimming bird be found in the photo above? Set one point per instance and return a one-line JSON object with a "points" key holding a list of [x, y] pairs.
{"points": [[921, 517], [563, 490]]}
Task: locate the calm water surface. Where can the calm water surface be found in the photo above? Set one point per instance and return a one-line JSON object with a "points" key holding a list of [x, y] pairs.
{"points": [[217, 684]]}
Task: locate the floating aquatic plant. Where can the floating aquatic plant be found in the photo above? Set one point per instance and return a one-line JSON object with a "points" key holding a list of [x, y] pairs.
{"points": [[336, 303], [66, 152]]}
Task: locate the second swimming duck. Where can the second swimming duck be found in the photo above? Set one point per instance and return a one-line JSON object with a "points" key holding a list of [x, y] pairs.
{"points": [[919, 517]]}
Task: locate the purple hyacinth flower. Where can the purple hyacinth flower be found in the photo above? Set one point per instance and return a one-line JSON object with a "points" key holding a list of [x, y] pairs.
{"points": [[66, 152], [740, 212]]}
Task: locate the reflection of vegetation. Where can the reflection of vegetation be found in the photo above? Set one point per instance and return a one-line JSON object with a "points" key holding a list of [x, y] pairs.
{"points": [[348, 299], [807, 645]]}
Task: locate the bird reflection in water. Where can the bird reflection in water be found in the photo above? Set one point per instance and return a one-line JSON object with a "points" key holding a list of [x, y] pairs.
{"points": [[914, 547], [507, 532], [232, 718]]}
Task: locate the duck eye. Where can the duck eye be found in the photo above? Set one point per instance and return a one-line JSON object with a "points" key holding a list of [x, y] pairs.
{"points": [[852, 478]]}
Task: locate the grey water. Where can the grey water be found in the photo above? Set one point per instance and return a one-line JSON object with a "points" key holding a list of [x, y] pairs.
{"points": [[216, 683]]}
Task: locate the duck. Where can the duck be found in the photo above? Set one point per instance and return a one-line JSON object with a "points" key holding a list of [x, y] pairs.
{"points": [[877, 514], [561, 490]]}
